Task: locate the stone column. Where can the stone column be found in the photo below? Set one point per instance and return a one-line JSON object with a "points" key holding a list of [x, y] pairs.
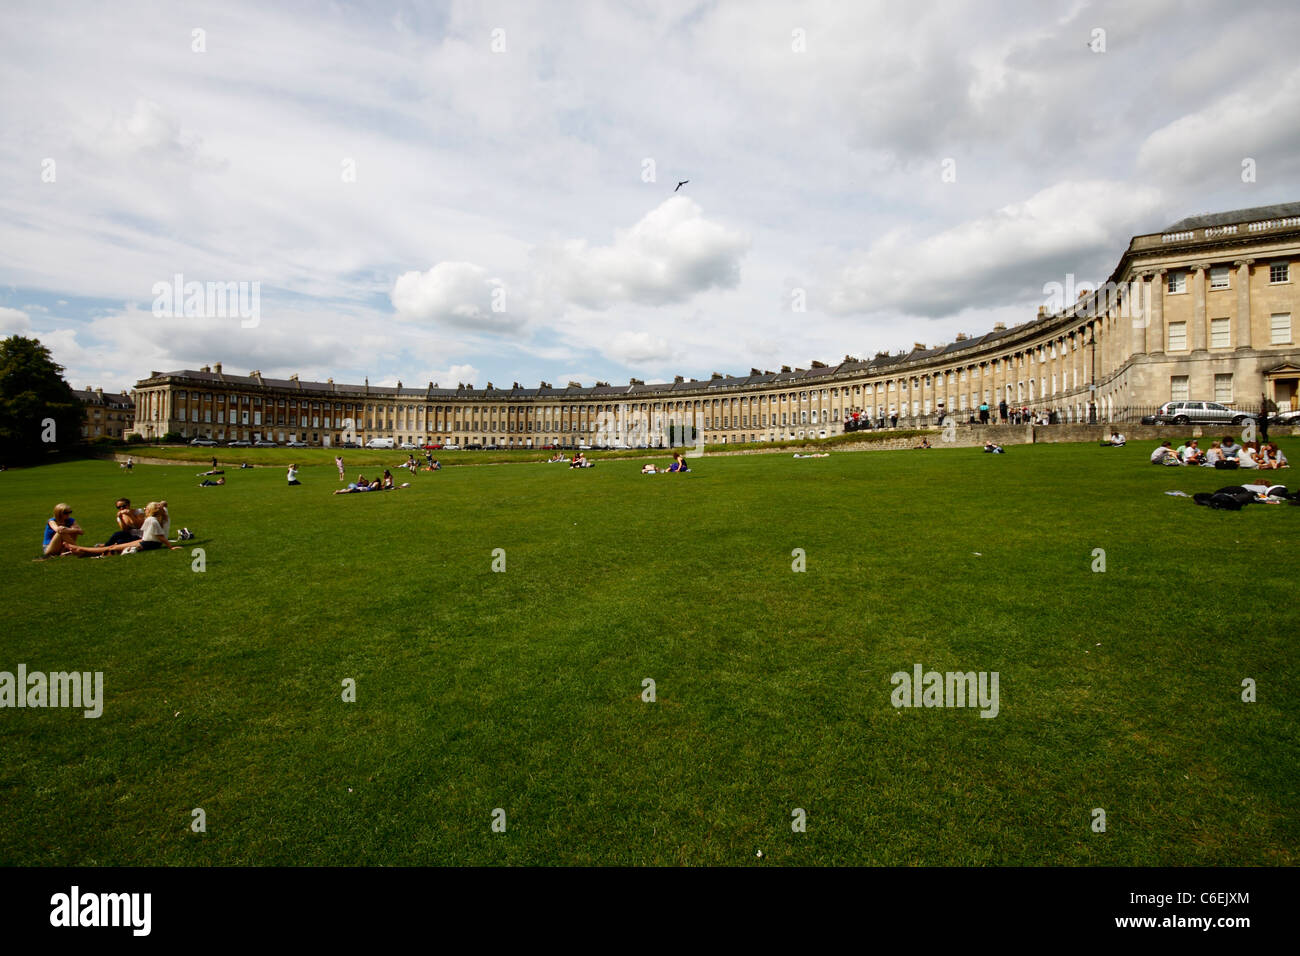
{"points": [[1200, 270], [1241, 336], [1137, 321], [1156, 312]]}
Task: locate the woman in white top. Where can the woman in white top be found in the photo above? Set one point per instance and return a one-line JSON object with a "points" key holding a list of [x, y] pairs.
{"points": [[1213, 453], [1248, 456], [293, 475]]}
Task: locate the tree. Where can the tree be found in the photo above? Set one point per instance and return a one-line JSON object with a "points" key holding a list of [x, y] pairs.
{"points": [[38, 411]]}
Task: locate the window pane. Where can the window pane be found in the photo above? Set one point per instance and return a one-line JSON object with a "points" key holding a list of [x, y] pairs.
{"points": [[1220, 333], [1280, 328], [1177, 336]]}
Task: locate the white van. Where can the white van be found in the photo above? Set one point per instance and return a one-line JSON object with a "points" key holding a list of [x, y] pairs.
{"points": [[380, 443]]}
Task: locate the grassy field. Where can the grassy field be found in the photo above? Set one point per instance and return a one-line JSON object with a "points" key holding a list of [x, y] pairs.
{"points": [[369, 457], [522, 689]]}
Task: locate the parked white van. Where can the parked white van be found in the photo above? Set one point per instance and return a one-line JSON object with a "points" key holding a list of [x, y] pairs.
{"points": [[380, 443]]}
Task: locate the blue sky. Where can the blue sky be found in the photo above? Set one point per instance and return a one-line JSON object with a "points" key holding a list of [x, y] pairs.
{"points": [[485, 192]]}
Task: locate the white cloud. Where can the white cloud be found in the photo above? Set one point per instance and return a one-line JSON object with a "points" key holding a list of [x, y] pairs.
{"points": [[640, 348], [1005, 256], [14, 322], [459, 294], [669, 256], [1259, 123]]}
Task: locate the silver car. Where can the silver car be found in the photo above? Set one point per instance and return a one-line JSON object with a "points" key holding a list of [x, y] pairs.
{"points": [[1199, 413]]}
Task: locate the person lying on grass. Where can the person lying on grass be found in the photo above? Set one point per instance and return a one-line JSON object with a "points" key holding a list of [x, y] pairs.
{"points": [[360, 485], [61, 532], [153, 535], [206, 483]]}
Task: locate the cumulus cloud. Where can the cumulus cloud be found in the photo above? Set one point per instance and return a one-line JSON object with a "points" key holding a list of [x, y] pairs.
{"points": [[459, 294], [1002, 257], [673, 253], [640, 348], [14, 322], [1261, 123]]}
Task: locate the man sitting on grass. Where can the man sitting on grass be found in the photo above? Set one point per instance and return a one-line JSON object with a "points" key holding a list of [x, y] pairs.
{"points": [[1165, 455], [993, 449], [1190, 454]]}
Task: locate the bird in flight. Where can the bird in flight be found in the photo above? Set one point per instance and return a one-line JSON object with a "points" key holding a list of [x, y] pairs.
{"points": [[681, 184]]}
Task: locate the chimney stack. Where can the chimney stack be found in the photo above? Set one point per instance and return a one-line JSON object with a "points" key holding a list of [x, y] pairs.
{"points": [[999, 326], [217, 368]]}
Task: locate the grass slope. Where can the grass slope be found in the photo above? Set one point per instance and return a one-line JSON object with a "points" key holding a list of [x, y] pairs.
{"points": [[522, 690]]}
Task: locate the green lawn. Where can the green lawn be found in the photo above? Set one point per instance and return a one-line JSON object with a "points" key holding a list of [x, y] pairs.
{"points": [[522, 690]]}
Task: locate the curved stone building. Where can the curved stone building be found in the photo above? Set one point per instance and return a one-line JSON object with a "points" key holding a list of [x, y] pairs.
{"points": [[1202, 310]]}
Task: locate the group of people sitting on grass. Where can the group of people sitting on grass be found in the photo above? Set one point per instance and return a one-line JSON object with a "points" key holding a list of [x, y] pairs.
{"points": [[580, 461], [138, 529], [1224, 454], [678, 466], [411, 465], [379, 484]]}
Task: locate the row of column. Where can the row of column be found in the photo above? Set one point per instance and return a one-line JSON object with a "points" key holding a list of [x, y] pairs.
{"points": [[1152, 337]]}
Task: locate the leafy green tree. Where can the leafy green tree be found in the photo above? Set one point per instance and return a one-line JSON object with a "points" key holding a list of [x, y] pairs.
{"points": [[38, 411]]}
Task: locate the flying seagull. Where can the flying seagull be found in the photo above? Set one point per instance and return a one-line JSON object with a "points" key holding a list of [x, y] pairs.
{"points": [[681, 184]]}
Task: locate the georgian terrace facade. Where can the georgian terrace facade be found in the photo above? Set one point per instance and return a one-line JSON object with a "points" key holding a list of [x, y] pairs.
{"points": [[1203, 310]]}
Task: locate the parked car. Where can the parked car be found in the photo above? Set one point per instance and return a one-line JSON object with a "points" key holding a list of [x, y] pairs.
{"points": [[473, 447], [407, 446], [380, 443], [432, 447], [295, 444], [240, 443], [349, 444], [1196, 413], [1286, 418], [264, 443], [207, 442], [451, 448]]}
